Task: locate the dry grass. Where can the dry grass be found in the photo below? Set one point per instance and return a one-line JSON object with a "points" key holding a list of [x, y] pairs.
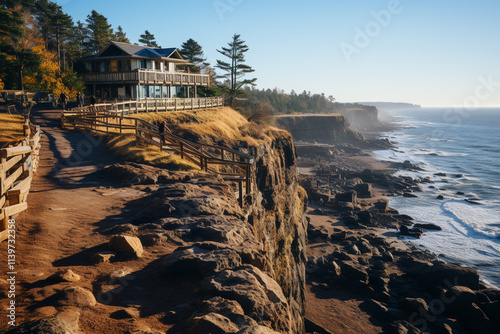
{"points": [[11, 129], [219, 126], [127, 148], [222, 126]]}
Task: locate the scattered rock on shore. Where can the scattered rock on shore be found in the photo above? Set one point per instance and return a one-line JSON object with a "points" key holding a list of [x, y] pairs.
{"points": [[126, 244], [428, 226]]}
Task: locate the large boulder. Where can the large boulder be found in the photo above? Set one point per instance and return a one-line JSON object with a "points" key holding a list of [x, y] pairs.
{"points": [[211, 323], [53, 325], [364, 190], [354, 272], [476, 321], [432, 275], [76, 296], [349, 197], [199, 261], [256, 292], [126, 244]]}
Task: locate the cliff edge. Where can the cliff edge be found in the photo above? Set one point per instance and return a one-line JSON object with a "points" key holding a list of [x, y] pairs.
{"points": [[175, 253]]}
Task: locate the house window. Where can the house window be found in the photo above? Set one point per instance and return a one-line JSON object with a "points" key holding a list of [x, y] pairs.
{"points": [[135, 64], [146, 64]]}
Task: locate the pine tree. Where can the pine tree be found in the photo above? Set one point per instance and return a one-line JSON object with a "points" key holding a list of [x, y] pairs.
{"points": [[120, 35], [62, 27], [236, 68], [76, 44], [42, 12], [193, 52], [148, 39], [98, 31]]}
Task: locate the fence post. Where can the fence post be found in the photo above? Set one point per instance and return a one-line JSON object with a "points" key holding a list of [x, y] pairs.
{"points": [[240, 197], [136, 128], [249, 184], [26, 129], [182, 151], [121, 124]]}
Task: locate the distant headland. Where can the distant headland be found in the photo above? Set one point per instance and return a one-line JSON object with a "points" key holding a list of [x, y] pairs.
{"points": [[391, 105]]}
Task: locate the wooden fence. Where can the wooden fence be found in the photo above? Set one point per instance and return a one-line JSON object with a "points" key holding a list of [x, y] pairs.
{"points": [[126, 108], [232, 165], [17, 165]]}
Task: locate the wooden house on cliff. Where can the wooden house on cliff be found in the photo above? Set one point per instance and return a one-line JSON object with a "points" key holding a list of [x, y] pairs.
{"points": [[126, 71]]}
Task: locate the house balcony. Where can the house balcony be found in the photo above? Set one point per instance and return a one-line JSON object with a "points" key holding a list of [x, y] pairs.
{"points": [[147, 77]]}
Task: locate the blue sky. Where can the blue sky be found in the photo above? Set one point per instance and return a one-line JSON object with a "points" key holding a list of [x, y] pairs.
{"points": [[435, 53]]}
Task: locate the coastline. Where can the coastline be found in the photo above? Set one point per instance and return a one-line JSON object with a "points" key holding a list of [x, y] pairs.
{"points": [[364, 240]]}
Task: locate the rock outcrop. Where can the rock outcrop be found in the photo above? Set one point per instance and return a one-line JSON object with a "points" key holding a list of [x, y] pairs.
{"points": [[246, 265], [327, 129]]}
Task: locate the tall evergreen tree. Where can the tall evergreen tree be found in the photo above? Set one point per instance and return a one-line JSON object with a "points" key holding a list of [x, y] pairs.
{"points": [[42, 11], [120, 35], [76, 44], [62, 27], [236, 68], [193, 52], [98, 31], [148, 39]]}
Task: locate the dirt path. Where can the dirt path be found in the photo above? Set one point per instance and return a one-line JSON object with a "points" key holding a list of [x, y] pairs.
{"points": [[64, 210]]}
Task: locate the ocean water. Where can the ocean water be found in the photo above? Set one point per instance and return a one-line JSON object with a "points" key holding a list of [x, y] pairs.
{"points": [[464, 145]]}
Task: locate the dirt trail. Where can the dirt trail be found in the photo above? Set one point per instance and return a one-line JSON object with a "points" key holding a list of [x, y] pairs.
{"points": [[64, 211]]}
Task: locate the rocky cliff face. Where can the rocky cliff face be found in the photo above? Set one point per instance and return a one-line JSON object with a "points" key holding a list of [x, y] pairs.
{"points": [[242, 270], [327, 129], [275, 209], [361, 117]]}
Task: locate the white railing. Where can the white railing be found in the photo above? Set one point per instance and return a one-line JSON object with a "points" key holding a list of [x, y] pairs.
{"points": [[125, 108], [148, 77]]}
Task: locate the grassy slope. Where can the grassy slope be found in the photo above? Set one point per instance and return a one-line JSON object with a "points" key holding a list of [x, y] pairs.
{"points": [[221, 126], [127, 148], [213, 126]]}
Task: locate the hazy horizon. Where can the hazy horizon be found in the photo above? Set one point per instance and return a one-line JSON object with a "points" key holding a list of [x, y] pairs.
{"points": [[421, 52]]}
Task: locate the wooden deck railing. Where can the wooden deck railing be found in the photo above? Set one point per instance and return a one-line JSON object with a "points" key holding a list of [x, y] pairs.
{"points": [[17, 165], [232, 165], [125, 108], [147, 76]]}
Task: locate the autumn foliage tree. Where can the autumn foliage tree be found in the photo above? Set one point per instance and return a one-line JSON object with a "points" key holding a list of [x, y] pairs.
{"points": [[15, 57], [47, 76]]}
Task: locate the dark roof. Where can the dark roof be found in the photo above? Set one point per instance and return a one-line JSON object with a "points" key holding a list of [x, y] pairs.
{"points": [[129, 48], [121, 50]]}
